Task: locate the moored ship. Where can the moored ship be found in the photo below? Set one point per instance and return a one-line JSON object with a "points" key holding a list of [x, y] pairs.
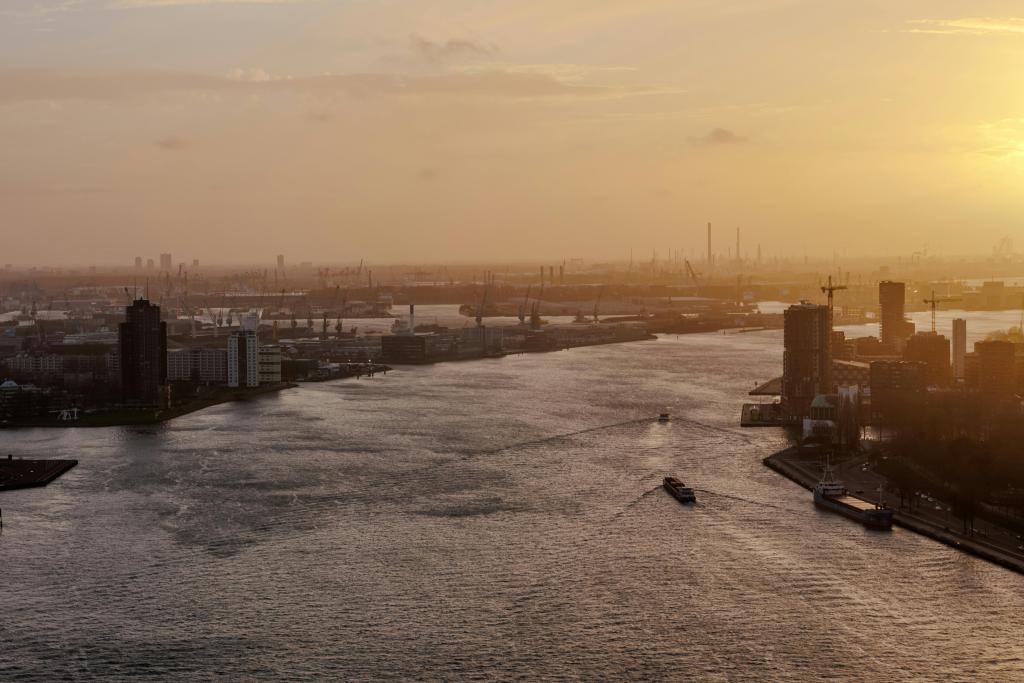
{"points": [[831, 495], [679, 490]]}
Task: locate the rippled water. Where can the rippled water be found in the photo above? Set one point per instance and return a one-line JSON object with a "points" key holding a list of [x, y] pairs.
{"points": [[483, 520]]}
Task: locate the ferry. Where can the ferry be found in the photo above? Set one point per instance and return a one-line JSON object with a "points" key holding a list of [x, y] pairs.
{"points": [[829, 494], [679, 490]]}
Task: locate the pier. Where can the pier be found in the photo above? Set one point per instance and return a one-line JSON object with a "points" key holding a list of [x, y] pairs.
{"points": [[19, 473]]}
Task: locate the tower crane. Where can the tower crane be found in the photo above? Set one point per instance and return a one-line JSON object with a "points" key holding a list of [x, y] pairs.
{"points": [[831, 289], [936, 300]]}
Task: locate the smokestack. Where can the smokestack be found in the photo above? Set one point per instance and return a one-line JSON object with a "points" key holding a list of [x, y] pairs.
{"points": [[738, 258], [412, 318], [709, 243]]}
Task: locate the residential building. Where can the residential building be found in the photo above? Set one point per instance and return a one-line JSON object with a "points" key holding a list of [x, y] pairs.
{"points": [[806, 360], [959, 349], [932, 350], [243, 359], [143, 354], [895, 328], [269, 361]]}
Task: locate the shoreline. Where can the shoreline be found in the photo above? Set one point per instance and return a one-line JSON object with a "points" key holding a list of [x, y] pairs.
{"points": [[782, 463], [128, 418]]}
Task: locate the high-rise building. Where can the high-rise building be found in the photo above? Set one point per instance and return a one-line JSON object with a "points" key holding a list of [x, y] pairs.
{"points": [[165, 262], [931, 350], [893, 385], [807, 359], [895, 328], [959, 348], [243, 359], [995, 360], [143, 351], [280, 261], [138, 263], [149, 264]]}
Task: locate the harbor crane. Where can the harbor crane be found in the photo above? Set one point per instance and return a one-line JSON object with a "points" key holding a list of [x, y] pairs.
{"points": [[522, 306], [936, 300], [831, 289], [694, 276], [480, 311]]}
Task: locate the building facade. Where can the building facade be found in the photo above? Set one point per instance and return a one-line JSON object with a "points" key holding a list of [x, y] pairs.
{"points": [[142, 338], [243, 359], [807, 359], [895, 328], [959, 349], [932, 350], [202, 366], [269, 361]]}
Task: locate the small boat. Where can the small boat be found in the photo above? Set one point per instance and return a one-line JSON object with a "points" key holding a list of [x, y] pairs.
{"points": [[679, 490], [664, 417]]}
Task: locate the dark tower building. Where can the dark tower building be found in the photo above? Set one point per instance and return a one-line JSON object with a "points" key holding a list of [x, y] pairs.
{"points": [[143, 340], [892, 297], [932, 351], [807, 359]]}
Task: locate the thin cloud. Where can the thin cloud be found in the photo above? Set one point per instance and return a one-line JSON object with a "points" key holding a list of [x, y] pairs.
{"points": [[46, 85], [717, 136], [171, 143], [437, 52], [143, 4], [969, 26]]}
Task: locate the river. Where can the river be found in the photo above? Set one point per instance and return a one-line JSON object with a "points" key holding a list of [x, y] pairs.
{"points": [[492, 519]]}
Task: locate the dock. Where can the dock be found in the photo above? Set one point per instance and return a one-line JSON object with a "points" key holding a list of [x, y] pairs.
{"points": [[20, 473], [786, 463]]}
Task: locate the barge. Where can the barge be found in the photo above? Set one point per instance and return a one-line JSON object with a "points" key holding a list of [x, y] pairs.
{"points": [[829, 494], [679, 490]]}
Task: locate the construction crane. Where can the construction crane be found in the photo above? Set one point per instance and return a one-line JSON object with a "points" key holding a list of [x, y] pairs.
{"points": [[340, 325], [694, 276], [936, 300], [535, 313], [480, 311], [522, 307], [831, 289]]}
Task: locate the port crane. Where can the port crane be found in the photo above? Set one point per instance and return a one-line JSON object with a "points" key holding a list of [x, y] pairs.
{"points": [[480, 311], [831, 289], [936, 300], [339, 327], [694, 276], [535, 312], [522, 306]]}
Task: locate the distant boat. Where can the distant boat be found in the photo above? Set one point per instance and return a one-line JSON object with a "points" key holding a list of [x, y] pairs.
{"points": [[664, 417], [679, 490]]}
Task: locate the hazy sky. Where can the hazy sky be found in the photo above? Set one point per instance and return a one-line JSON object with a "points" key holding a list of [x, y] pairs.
{"points": [[443, 130]]}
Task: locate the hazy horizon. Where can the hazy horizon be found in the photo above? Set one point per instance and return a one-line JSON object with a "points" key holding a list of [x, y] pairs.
{"points": [[397, 132]]}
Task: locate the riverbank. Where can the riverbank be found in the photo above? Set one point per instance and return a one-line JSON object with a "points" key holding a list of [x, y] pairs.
{"points": [[119, 418], [795, 466]]}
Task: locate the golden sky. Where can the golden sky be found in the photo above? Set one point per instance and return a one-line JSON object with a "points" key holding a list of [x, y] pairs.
{"points": [[330, 130]]}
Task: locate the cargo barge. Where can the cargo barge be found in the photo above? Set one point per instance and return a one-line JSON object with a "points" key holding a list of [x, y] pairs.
{"points": [[679, 490], [829, 494]]}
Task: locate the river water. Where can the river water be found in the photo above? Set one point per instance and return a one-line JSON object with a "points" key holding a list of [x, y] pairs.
{"points": [[492, 519]]}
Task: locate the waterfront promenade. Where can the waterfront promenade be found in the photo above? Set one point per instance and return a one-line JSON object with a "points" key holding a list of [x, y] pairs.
{"points": [[930, 517]]}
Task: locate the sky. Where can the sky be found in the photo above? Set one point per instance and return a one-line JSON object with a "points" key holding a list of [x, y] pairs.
{"points": [[454, 130]]}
